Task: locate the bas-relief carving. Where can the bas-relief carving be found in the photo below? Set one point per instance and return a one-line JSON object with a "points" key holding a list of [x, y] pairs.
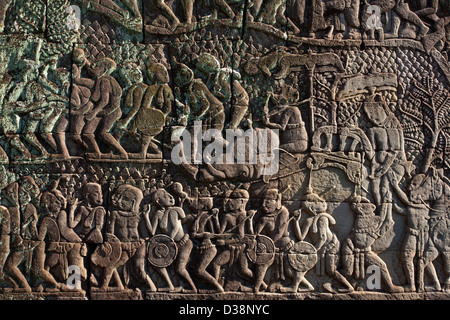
{"points": [[91, 117]]}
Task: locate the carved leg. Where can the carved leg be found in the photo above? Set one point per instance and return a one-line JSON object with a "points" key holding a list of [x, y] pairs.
{"points": [[30, 137], [163, 273], [260, 273], [167, 11], [139, 263], [107, 275], [372, 258], [188, 10], [11, 267], [348, 261], [243, 269], [38, 268], [88, 133], [184, 252], [402, 9], [105, 126], [408, 253], [3, 8], [331, 261], [237, 114], [225, 8], [446, 258], [221, 259], [16, 144], [204, 260]]}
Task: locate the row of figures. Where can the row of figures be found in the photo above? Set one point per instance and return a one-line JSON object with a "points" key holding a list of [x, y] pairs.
{"points": [[421, 20], [164, 239], [400, 18], [115, 111]]}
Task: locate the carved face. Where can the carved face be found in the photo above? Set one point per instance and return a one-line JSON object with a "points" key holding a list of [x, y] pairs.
{"points": [[162, 76], [78, 56], [207, 63], [52, 63], [364, 208], [102, 67], [269, 205], [234, 204], [420, 188], [205, 203], [315, 207], [164, 198], [24, 197], [94, 195], [376, 113], [131, 73], [158, 73], [184, 76], [12, 194], [51, 202], [125, 201], [251, 68]]}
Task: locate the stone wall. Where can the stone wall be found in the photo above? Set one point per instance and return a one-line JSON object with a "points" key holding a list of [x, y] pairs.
{"points": [[272, 149]]}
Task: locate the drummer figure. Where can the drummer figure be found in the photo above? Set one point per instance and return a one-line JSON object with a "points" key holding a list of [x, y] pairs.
{"points": [[318, 226], [167, 219], [274, 223], [232, 227]]}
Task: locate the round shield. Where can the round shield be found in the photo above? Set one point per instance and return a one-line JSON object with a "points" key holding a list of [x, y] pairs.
{"points": [[302, 256], [150, 120], [262, 251], [106, 254], [162, 251]]}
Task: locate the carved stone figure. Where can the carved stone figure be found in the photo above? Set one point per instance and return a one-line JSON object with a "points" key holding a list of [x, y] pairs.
{"points": [[64, 246], [224, 84], [325, 241], [357, 251], [167, 218], [88, 218], [29, 248], [155, 106], [289, 62], [429, 239], [234, 223], [388, 164], [202, 232], [402, 10], [274, 223], [119, 178], [106, 96], [203, 105], [123, 241], [288, 119]]}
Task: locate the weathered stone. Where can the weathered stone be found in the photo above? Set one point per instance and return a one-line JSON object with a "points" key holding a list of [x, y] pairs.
{"points": [[186, 150]]}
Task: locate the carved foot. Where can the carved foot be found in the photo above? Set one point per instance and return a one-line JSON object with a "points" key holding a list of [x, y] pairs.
{"points": [[433, 288], [328, 287], [290, 289], [23, 157], [174, 25], [447, 286], [55, 289], [218, 290], [93, 155], [410, 288], [193, 291], [22, 290], [396, 289]]}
